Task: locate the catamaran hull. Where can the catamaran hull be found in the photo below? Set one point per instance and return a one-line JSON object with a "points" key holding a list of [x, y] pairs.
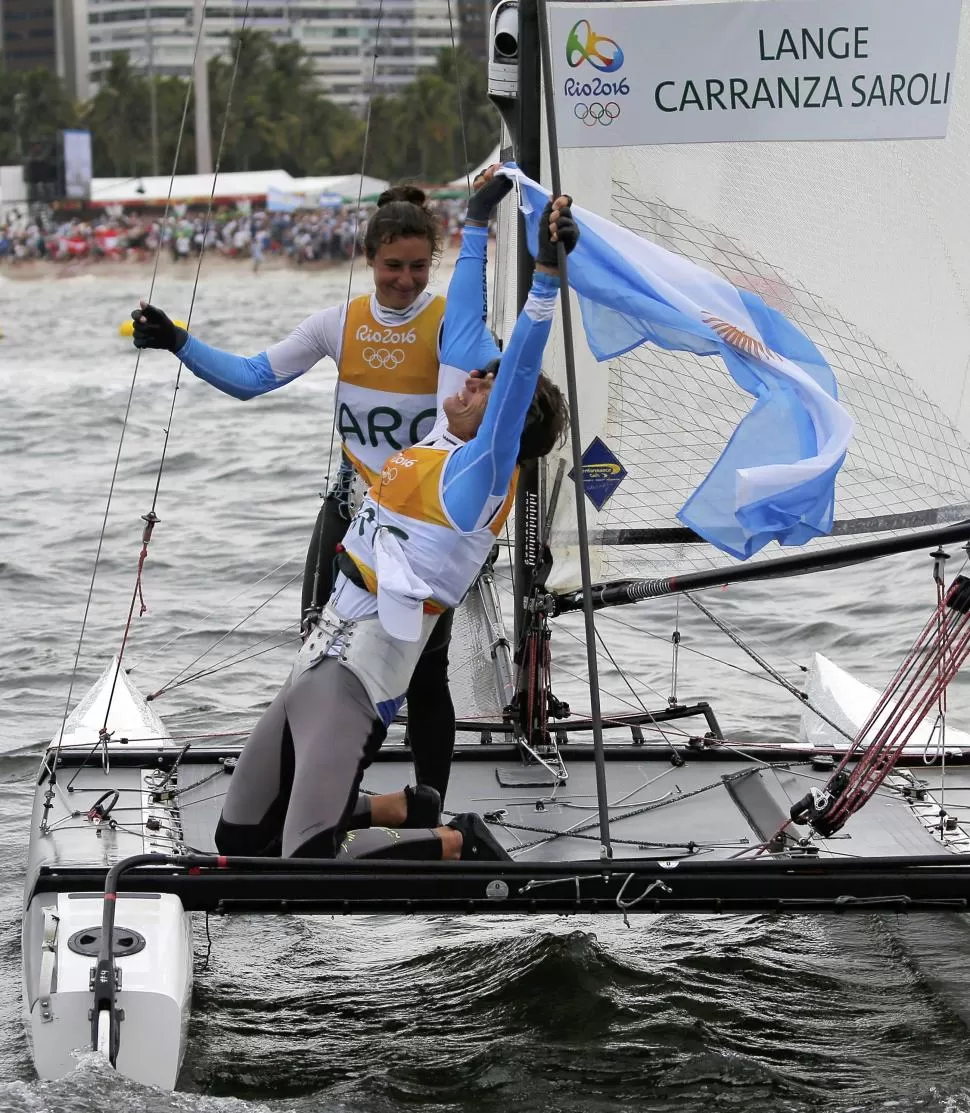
{"points": [[91, 810], [702, 826], [60, 932]]}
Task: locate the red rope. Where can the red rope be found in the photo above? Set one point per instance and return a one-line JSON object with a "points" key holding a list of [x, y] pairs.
{"points": [[142, 556], [920, 682], [150, 519]]}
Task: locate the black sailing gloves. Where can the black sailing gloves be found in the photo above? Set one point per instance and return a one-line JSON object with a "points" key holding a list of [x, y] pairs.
{"points": [[566, 233], [153, 329], [482, 202]]}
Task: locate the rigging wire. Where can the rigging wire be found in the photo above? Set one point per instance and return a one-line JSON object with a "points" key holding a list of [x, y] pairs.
{"points": [[639, 705], [675, 654], [608, 616], [176, 679], [220, 666], [461, 109], [124, 424], [315, 602], [151, 517], [743, 646], [155, 650]]}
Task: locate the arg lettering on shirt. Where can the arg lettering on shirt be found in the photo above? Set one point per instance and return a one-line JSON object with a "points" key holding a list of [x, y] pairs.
{"points": [[382, 422]]}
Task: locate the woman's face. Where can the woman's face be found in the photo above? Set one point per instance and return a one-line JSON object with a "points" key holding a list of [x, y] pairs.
{"points": [[402, 269]]}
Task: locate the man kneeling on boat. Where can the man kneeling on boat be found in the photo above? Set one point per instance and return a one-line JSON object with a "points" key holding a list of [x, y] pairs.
{"points": [[414, 548]]}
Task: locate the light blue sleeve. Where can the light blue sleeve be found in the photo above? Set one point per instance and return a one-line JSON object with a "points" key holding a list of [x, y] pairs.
{"points": [[465, 337], [243, 377], [487, 349], [482, 468]]}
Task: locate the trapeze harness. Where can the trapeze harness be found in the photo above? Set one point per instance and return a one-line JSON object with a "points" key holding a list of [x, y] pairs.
{"points": [[413, 550]]}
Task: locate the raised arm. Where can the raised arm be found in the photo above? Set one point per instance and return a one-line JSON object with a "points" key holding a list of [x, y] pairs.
{"points": [[243, 377], [467, 345], [477, 475]]}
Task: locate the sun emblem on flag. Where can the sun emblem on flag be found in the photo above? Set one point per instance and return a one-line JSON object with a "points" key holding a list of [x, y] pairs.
{"points": [[737, 337]]}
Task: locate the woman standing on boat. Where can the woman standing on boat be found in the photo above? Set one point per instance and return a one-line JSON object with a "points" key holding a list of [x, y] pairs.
{"points": [[389, 390], [414, 548]]}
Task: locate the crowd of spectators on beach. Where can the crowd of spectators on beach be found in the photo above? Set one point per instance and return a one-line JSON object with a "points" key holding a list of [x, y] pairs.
{"points": [[323, 236]]}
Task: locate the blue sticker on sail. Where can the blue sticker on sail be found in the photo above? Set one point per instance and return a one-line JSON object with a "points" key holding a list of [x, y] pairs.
{"points": [[602, 473]]}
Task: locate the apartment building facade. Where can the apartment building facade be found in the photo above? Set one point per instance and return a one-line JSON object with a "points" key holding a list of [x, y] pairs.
{"points": [[341, 36]]}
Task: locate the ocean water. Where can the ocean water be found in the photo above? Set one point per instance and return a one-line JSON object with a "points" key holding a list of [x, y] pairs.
{"points": [[378, 1014]]}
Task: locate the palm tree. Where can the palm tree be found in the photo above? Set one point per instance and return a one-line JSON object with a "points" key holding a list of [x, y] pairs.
{"points": [[118, 118], [34, 105]]}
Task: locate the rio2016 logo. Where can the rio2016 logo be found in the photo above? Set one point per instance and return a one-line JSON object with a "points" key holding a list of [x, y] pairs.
{"points": [[603, 54], [584, 45]]}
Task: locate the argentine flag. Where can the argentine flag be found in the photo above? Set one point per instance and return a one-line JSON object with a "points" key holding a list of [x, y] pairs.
{"points": [[775, 479]]}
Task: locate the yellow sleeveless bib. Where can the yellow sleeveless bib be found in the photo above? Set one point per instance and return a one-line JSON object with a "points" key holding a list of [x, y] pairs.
{"points": [[388, 384], [407, 497]]}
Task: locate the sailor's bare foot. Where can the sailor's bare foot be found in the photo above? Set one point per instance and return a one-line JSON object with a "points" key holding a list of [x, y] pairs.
{"points": [[389, 810], [451, 842]]}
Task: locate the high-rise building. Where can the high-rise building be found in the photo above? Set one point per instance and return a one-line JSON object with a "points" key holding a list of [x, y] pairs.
{"points": [[28, 34], [473, 18], [46, 34], [339, 35]]}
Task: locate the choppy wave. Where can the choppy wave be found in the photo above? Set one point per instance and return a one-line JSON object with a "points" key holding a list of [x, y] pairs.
{"points": [[377, 1015]]}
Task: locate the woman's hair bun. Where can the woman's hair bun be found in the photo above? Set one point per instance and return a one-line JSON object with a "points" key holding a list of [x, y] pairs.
{"points": [[402, 193]]}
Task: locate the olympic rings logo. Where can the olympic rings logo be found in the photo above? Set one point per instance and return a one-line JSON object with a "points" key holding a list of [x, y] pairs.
{"points": [[389, 358], [597, 113]]}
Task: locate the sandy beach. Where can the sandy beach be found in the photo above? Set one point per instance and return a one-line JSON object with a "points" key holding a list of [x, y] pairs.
{"points": [[213, 262]]}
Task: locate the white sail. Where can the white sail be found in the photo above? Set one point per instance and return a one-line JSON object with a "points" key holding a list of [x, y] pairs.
{"points": [[866, 246]]}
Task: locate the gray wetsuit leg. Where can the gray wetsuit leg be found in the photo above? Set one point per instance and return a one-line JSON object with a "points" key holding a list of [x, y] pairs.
{"points": [[335, 737], [295, 786], [255, 806], [392, 842], [298, 778]]}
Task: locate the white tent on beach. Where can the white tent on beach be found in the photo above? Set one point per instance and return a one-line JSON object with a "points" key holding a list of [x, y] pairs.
{"points": [[251, 185], [464, 180]]}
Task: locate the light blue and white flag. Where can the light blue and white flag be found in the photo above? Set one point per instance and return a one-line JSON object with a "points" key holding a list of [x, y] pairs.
{"points": [[775, 479]]}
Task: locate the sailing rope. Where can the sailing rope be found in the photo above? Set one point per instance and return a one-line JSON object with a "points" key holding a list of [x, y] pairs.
{"points": [[939, 561], [151, 518], [461, 107], [344, 486], [921, 680], [219, 610], [124, 428]]}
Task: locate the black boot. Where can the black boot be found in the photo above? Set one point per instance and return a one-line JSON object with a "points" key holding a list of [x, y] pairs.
{"points": [[424, 806]]}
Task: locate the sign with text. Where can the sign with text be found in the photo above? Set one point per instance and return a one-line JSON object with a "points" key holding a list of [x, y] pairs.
{"points": [[667, 72], [78, 164]]}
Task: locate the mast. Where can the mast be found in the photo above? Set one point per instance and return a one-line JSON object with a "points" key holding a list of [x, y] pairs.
{"points": [[528, 141], [203, 141], [599, 753], [525, 123]]}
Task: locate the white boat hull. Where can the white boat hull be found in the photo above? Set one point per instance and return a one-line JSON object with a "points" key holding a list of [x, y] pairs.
{"points": [[61, 930], [156, 984]]}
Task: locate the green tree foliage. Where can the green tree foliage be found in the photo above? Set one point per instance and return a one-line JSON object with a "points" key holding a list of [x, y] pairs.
{"points": [[33, 105], [116, 116], [278, 117]]}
